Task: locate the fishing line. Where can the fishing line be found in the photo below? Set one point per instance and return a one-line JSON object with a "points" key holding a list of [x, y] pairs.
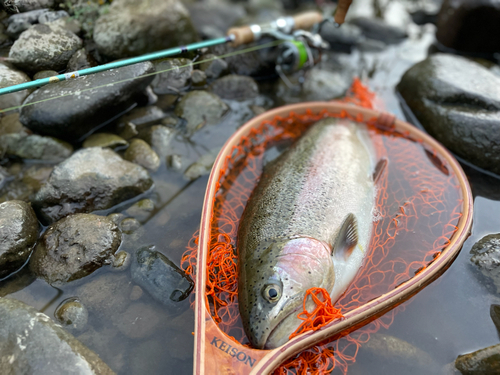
{"points": [[78, 92]]}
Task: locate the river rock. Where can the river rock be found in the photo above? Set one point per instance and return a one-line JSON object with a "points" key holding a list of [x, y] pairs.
{"points": [[91, 179], [495, 316], [31, 343], [72, 314], [138, 321], [45, 74], [202, 166], [200, 108], [214, 18], [129, 225], [21, 6], [87, 101], [486, 257], [235, 87], [44, 47], [198, 78], [161, 278], [10, 124], [374, 28], [139, 118], [213, 66], [74, 247], [127, 29], [18, 234], [81, 59], [159, 137], [47, 17], [17, 23], [26, 184], [141, 210], [104, 140], [35, 147], [141, 153], [342, 38], [458, 102], [10, 76], [484, 361], [468, 25], [175, 76]]}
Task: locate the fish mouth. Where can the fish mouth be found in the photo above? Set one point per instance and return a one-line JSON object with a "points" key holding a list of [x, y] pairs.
{"points": [[271, 341]]}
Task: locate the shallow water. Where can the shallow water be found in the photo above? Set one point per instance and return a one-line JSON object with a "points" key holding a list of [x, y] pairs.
{"points": [[448, 318]]}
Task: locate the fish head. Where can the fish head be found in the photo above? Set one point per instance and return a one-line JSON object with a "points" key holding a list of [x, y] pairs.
{"points": [[275, 287]]}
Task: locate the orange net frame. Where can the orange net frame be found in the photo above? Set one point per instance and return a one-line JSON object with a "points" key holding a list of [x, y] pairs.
{"points": [[419, 206]]}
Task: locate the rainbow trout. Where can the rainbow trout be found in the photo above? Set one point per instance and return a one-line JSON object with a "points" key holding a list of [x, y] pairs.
{"points": [[307, 224]]}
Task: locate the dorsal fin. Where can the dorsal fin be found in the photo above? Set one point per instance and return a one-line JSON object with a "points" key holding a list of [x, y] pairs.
{"points": [[347, 237], [379, 169]]}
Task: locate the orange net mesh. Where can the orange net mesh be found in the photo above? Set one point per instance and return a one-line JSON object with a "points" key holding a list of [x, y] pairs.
{"points": [[418, 203]]}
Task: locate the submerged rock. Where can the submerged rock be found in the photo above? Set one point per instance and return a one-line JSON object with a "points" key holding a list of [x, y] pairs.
{"points": [[10, 76], [141, 210], [139, 152], [86, 102], [486, 257], [468, 25], [138, 321], [159, 137], [30, 342], [200, 108], [74, 247], [26, 184], [175, 76], [202, 166], [18, 234], [44, 47], [91, 179], [161, 278], [127, 29], [72, 314], [484, 361], [458, 102], [235, 87], [104, 140], [35, 147]]}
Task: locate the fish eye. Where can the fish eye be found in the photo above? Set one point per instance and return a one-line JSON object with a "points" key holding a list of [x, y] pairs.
{"points": [[272, 292]]}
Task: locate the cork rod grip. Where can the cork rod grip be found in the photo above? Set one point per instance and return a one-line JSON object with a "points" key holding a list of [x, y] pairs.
{"points": [[307, 20], [242, 35]]}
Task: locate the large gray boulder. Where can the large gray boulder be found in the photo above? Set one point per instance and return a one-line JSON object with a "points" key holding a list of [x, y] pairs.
{"points": [[91, 179], [458, 102], [9, 76], [44, 47], [18, 234], [135, 27], [31, 343], [74, 247], [82, 104]]}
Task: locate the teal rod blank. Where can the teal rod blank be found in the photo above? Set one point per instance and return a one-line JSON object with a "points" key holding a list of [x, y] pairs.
{"points": [[116, 64]]}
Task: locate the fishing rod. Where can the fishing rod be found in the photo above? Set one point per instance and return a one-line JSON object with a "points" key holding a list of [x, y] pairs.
{"points": [[299, 49]]}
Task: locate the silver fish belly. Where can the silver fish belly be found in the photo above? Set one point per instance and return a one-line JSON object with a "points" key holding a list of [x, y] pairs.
{"points": [[307, 224]]}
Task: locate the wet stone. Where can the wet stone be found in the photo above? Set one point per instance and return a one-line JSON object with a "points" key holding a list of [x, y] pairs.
{"points": [[45, 74], [47, 17], [342, 38], [44, 47], [86, 102], [128, 130], [116, 217], [18, 234], [198, 78], [458, 102], [140, 118], [10, 76], [139, 152], [159, 138], [200, 108], [121, 261], [174, 162], [129, 225], [377, 29], [104, 140], [495, 316], [486, 257], [91, 179], [137, 22], [80, 60], [35, 147], [213, 66], [175, 76], [74, 247], [161, 278], [484, 361], [25, 184], [141, 210], [72, 314], [202, 166], [31, 340], [235, 87]]}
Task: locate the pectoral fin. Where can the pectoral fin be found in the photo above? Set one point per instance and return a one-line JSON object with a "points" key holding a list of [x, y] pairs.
{"points": [[347, 237]]}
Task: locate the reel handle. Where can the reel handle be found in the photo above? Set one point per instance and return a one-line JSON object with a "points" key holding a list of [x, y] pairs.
{"points": [[341, 11], [248, 34]]}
